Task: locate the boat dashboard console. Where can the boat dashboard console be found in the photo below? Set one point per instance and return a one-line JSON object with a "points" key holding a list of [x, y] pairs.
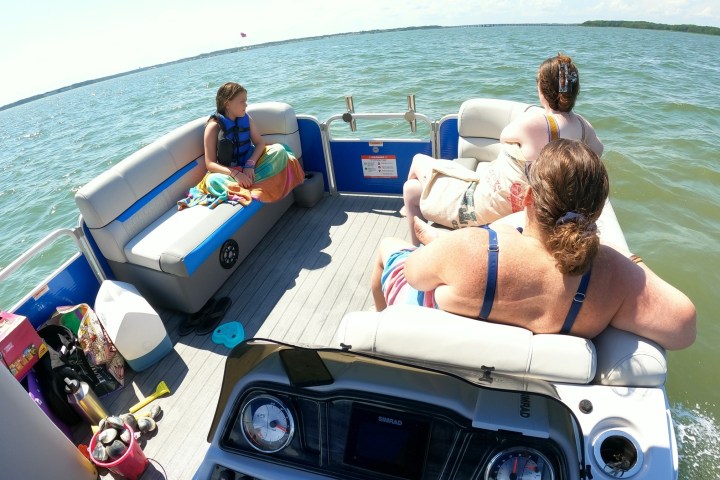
{"points": [[334, 414]]}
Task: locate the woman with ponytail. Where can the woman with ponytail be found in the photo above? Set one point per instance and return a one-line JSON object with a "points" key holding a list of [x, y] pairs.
{"points": [[554, 276], [495, 195]]}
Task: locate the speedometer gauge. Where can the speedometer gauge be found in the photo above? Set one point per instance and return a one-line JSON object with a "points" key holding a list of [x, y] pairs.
{"points": [[519, 463], [267, 423]]}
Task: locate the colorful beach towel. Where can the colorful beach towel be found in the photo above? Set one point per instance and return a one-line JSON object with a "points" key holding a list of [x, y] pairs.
{"points": [[277, 172]]}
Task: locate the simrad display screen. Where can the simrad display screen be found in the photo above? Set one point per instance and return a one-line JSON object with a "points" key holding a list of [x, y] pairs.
{"points": [[386, 441]]}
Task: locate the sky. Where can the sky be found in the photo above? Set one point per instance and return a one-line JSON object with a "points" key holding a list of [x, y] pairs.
{"points": [[49, 44]]}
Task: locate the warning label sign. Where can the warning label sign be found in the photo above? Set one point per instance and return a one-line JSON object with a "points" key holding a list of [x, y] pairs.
{"points": [[379, 166]]}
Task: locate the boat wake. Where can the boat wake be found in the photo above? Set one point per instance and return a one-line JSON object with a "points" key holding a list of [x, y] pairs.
{"points": [[697, 435]]}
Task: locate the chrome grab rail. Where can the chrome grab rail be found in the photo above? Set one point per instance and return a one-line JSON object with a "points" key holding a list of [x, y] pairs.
{"points": [[37, 248], [411, 116], [379, 116], [80, 242]]}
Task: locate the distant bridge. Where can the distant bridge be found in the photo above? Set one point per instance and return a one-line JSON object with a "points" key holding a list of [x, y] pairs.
{"points": [[523, 25]]}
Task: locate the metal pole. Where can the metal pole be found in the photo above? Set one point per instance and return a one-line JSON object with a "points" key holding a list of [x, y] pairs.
{"points": [[410, 114], [347, 116]]}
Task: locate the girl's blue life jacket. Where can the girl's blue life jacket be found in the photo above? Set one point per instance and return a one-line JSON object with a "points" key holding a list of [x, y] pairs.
{"points": [[234, 146]]}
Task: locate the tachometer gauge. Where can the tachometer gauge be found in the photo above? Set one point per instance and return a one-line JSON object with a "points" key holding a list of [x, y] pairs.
{"points": [[267, 423], [519, 463]]}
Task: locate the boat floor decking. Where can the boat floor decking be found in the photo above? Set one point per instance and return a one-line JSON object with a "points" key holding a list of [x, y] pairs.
{"points": [[296, 285]]}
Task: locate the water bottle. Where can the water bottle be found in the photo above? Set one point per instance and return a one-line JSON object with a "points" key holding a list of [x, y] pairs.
{"points": [[84, 401]]}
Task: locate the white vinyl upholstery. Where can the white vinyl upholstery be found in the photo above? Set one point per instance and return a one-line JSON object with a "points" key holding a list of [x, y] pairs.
{"points": [[133, 184], [132, 214], [480, 122], [444, 339], [277, 123], [625, 359]]}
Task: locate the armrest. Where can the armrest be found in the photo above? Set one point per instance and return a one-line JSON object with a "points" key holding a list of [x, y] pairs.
{"points": [[625, 359]]}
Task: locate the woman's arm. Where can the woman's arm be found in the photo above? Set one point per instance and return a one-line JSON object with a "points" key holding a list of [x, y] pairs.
{"points": [[530, 131], [651, 307], [514, 132], [592, 140]]}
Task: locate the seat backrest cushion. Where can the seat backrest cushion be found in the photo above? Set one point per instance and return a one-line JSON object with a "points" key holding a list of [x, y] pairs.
{"points": [[480, 122], [615, 357], [128, 197], [446, 339], [277, 123]]}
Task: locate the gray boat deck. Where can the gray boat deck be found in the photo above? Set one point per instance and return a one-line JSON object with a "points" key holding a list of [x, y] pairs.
{"points": [[297, 284]]}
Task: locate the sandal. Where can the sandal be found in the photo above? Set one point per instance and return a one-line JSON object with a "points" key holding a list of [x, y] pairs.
{"points": [[193, 320], [213, 316]]}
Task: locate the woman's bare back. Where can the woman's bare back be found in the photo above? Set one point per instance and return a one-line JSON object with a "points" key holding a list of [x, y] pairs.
{"points": [[532, 293]]}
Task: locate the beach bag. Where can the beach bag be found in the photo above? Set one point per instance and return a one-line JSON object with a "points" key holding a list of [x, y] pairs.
{"points": [[66, 359], [448, 198], [457, 197], [94, 340]]}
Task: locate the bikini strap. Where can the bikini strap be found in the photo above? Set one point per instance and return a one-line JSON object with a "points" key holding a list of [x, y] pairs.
{"points": [[582, 126], [492, 273], [577, 303], [553, 129]]}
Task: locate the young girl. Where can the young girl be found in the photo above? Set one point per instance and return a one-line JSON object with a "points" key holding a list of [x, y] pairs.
{"points": [[232, 142]]}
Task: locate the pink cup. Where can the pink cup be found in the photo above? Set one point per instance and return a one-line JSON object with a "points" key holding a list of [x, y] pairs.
{"points": [[131, 465]]}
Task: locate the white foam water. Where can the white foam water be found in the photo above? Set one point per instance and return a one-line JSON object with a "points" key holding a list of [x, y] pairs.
{"points": [[698, 437]]}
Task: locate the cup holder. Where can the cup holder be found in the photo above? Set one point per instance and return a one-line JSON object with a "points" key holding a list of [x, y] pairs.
{"points": [[617, 453]]}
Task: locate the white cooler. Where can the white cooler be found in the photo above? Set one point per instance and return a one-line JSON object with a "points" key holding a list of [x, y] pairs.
{"points": [[133, 325]]}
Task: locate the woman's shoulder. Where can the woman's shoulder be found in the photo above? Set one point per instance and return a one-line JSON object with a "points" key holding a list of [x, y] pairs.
{"points": [[533, 116], [477, 238], [525, 127], [616, 267]]}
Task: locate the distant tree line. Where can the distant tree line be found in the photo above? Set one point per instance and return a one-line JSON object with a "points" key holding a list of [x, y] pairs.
{"points": [[652, 26]]}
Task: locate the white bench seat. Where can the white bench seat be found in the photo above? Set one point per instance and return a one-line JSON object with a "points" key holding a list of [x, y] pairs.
{"points": [[447, 340], [173, 256]]}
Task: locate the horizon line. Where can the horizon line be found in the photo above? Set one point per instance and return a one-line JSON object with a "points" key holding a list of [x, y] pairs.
{"points": [[299, 39], [249, 47]]}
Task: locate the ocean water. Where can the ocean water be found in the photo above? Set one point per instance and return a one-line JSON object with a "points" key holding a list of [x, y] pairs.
{"points": [[652, 96]]}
